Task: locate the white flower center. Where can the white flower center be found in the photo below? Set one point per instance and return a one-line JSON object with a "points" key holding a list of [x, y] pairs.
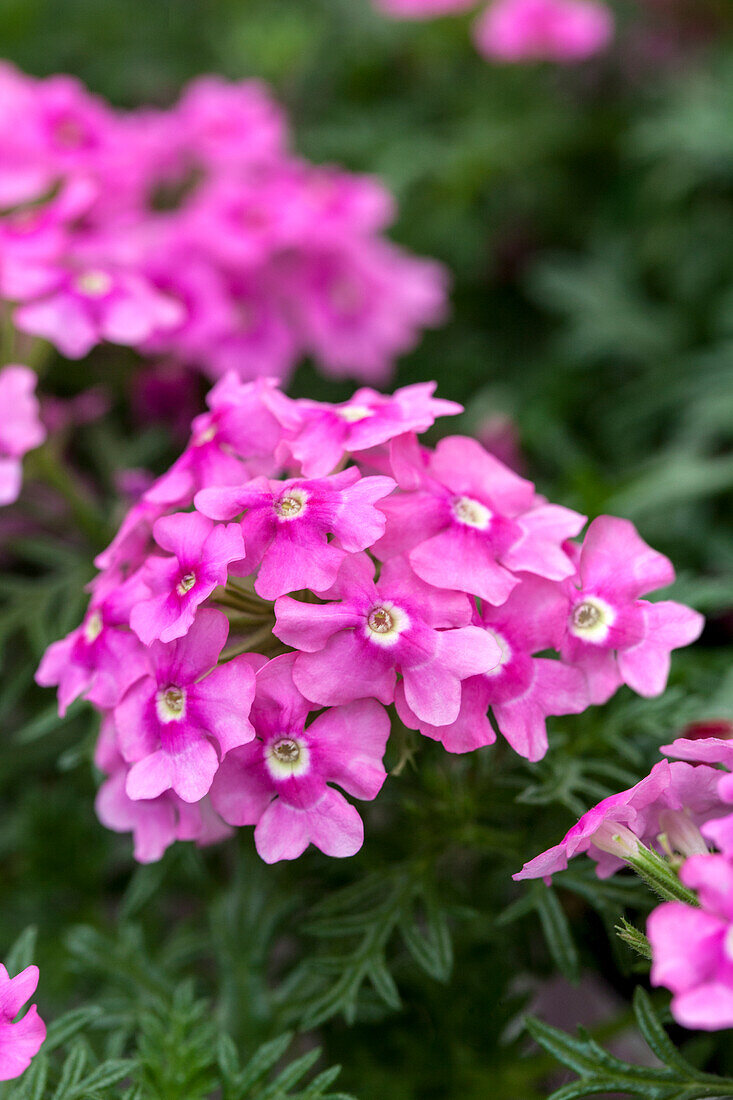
{"points": [[93, 627], [185, 584], [93, 284], [506, 652], [352, 414], [385, 623], [170, 704], [471, 513], [287, 757], [591, 619], [291, 504], [205, 436]]}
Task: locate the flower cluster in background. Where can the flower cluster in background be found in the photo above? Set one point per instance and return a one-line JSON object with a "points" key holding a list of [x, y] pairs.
{"points": [[303, 566], [20, 427], [194, 234], [524, 30], [664, 826]]}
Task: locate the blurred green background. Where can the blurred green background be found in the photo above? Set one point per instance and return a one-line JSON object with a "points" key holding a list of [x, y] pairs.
{"points": [[586, 215]]}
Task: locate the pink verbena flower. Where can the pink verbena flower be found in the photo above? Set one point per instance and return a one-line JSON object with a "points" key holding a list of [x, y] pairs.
{"points": [[354, 646], [229, 125], [34, 239], [319, 435], [253, 335], [201, 553], [156, 823], [281, 782], [94, 304], [702, 750], [470, 523], [19, 1041], [102, 657], [236, 439], [20, 427], [674, 799], [176, 722], [692, 949], [716, 751], [613, 635], [194, 233], [360, 306], [286, 526], [523, 689], [546, 30]]}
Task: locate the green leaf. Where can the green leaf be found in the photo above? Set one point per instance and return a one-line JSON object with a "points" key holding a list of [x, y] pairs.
{"points": [[63, 1029], [259, 1065], [109, 1073], [23, 951], [636, 940], [557, 932], [72, 1070]]}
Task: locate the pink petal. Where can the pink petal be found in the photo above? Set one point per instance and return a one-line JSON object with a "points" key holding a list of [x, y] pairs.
{"points": [[241, 792], [16, 991], [464, 561], [645, 666], [686, 944], [19, 1043], [707, 1008], [343, 671], [223, 700], [333, 825], [308, 627], [615, 556], [465, 467], [352, 741]]}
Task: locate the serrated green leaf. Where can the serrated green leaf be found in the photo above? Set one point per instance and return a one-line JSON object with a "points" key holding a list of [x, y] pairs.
{"points": [[71, 1071], [290, 1075], [107, 1074], [557, 932], [384, 983], [227, 1056], [23, 951], [656, 1037], [260, 1064], [319, 1084], [68, 1025]]}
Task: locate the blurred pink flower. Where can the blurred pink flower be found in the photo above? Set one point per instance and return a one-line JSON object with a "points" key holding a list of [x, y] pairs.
{"points": [[544, 30], [20, 427]]}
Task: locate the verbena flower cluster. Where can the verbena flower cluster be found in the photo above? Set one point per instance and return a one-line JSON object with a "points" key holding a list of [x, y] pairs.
{"points": [[523, 30], [20, 427], [680, 811], [196, 234], [302, 567]]}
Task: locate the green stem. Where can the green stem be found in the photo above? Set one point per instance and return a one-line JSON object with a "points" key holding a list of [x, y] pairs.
{"points": [[47, 465], [660, 876]]}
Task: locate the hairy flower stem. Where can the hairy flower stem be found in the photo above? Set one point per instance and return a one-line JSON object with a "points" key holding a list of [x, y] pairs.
{"points": [[660, 876]]}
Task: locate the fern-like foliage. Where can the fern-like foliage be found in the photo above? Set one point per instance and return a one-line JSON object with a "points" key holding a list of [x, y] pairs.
{"points": [[356, 925], [157, 1042], [601, 1072]]}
